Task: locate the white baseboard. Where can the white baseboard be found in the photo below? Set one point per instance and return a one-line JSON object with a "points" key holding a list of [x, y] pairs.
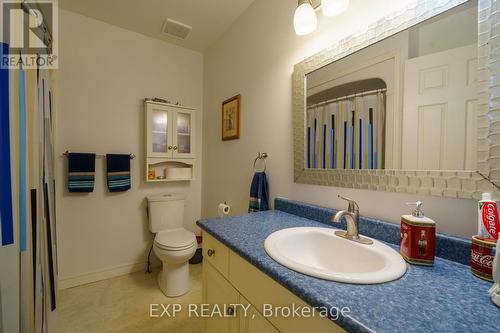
{"points": [[78, 280]]}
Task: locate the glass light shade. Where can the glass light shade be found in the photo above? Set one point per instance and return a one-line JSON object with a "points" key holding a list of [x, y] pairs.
{"points": [[334, 7], [304, 19]]}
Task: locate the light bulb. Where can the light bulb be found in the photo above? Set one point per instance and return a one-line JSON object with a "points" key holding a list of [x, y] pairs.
{"points": [[334, 7], [304, 19]]}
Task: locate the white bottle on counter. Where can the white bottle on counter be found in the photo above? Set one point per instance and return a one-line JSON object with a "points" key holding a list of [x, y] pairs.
{"points": [[488, 222]]}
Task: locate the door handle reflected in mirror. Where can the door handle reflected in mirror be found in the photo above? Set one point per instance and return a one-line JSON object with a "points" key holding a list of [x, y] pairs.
{"points": [[175, 147], [169, 147]]}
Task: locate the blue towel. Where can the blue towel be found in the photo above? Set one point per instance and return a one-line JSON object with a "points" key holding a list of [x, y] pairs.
{"points": [[259, 193], [81, 172], [118, 166]]}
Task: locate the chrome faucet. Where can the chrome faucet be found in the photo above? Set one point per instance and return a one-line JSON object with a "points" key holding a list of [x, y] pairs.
{"points": [[351, 216]]}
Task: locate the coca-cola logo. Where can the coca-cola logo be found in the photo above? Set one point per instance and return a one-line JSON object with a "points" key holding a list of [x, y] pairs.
{"points": [[482, 259], [490, 219]]}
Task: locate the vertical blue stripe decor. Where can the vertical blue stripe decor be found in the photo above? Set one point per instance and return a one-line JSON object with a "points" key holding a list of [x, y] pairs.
{"points": [[6, 216], [48, 231], [345, 143], [344, 134], [324, 146], [361, 143], [309, 147], [22, 160], [370, 147], [34, 219], [314, 151], [352, 148], [332, 148], [50, 107]]}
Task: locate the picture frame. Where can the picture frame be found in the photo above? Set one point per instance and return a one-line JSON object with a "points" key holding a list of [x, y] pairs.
{"points": [[231, 109]]}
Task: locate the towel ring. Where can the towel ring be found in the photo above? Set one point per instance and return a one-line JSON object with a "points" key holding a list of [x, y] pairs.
{"points": [[260, 156]]}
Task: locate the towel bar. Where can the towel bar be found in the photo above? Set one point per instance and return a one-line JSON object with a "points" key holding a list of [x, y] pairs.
{"points": [[66, 153]]}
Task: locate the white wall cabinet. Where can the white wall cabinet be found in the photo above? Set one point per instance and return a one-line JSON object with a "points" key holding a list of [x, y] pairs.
{"points": [[229, 279], [169, 142]]}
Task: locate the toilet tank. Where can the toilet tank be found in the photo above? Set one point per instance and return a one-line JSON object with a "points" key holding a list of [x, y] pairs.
{"points": [[165, 211]]}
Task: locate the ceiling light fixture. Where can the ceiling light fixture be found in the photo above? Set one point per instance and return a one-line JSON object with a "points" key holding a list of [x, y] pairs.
{"points": [[304, 19], [334, 7]]}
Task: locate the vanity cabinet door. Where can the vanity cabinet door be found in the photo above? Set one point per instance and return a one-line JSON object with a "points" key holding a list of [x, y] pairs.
{"points": [[217, 291], [216, 254], [253, 321]]}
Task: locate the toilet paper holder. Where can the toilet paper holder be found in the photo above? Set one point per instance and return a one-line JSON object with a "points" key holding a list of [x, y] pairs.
{"points": [[223, 209]]}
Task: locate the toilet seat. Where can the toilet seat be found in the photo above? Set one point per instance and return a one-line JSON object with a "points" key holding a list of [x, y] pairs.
{"points": [[175, 239]]}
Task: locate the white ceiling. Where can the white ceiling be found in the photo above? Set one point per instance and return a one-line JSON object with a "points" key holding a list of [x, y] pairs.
{"points": [[209, 18]]}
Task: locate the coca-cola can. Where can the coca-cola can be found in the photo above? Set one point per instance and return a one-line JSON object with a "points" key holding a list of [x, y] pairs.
{"points": [[482, 255]]}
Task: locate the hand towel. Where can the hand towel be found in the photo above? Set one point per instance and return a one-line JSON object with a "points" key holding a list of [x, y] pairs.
{"points": [[495, 290], [118, 167], [81, 172], [259, 193]]}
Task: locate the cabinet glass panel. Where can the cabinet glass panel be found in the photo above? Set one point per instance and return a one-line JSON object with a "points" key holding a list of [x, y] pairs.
{"points": [[159, 132], [183, 133]]}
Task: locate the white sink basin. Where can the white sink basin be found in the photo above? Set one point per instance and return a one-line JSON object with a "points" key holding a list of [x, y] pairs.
{"points": [[320, 253]]}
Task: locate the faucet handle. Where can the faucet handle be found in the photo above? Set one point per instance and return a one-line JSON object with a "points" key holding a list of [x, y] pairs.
{"points": [[353, 206]]}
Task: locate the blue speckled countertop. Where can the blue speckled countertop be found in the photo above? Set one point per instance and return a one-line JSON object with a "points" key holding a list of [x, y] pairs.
{"points": [[443, 298]]}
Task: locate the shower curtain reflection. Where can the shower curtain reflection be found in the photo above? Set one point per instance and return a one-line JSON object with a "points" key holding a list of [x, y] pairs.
{"points": [[347, 132]]}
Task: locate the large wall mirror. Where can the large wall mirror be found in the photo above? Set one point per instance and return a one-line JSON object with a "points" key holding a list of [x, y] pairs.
{"points": [[401, 107]]}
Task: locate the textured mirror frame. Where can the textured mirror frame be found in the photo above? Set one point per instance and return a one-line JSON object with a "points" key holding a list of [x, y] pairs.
{"points": [[455, 184]]}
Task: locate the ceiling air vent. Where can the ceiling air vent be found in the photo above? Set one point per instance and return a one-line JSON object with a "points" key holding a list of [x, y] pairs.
{"points": [[176, 29]]}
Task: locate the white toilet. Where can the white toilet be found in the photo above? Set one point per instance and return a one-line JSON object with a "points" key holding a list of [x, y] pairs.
{"points": [[173, 244]]}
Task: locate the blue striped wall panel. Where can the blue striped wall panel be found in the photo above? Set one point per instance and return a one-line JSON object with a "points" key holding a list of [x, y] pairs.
{"points": [[6, 215]]}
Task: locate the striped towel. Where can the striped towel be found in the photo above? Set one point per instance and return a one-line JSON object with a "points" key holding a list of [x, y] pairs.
{"points": [[259, 193], [81, 172], [118, 166]]}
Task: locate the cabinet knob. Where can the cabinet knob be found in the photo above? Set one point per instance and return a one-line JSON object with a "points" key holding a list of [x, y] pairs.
{"points": [[210, 252], [169, 147], [230, 311], [175, 147]]}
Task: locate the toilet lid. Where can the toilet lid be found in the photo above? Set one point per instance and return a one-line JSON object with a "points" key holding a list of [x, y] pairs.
{"points": [[175, 239]]}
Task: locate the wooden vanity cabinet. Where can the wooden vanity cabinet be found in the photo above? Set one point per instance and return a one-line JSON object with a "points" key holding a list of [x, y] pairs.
{"points": [[229, 279]]}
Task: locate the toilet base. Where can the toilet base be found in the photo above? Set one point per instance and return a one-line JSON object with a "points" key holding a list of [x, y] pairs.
{"points": [[174, 279]]}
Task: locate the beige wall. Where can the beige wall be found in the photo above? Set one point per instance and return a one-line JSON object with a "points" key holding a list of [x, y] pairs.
{"points": [[105, 73], [255, 58]]}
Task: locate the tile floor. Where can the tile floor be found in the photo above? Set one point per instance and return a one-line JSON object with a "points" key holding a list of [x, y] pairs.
{"points": [[122, 304]]}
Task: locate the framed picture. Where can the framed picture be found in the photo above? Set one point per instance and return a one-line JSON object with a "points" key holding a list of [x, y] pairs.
{"points": [[231, 118]]}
